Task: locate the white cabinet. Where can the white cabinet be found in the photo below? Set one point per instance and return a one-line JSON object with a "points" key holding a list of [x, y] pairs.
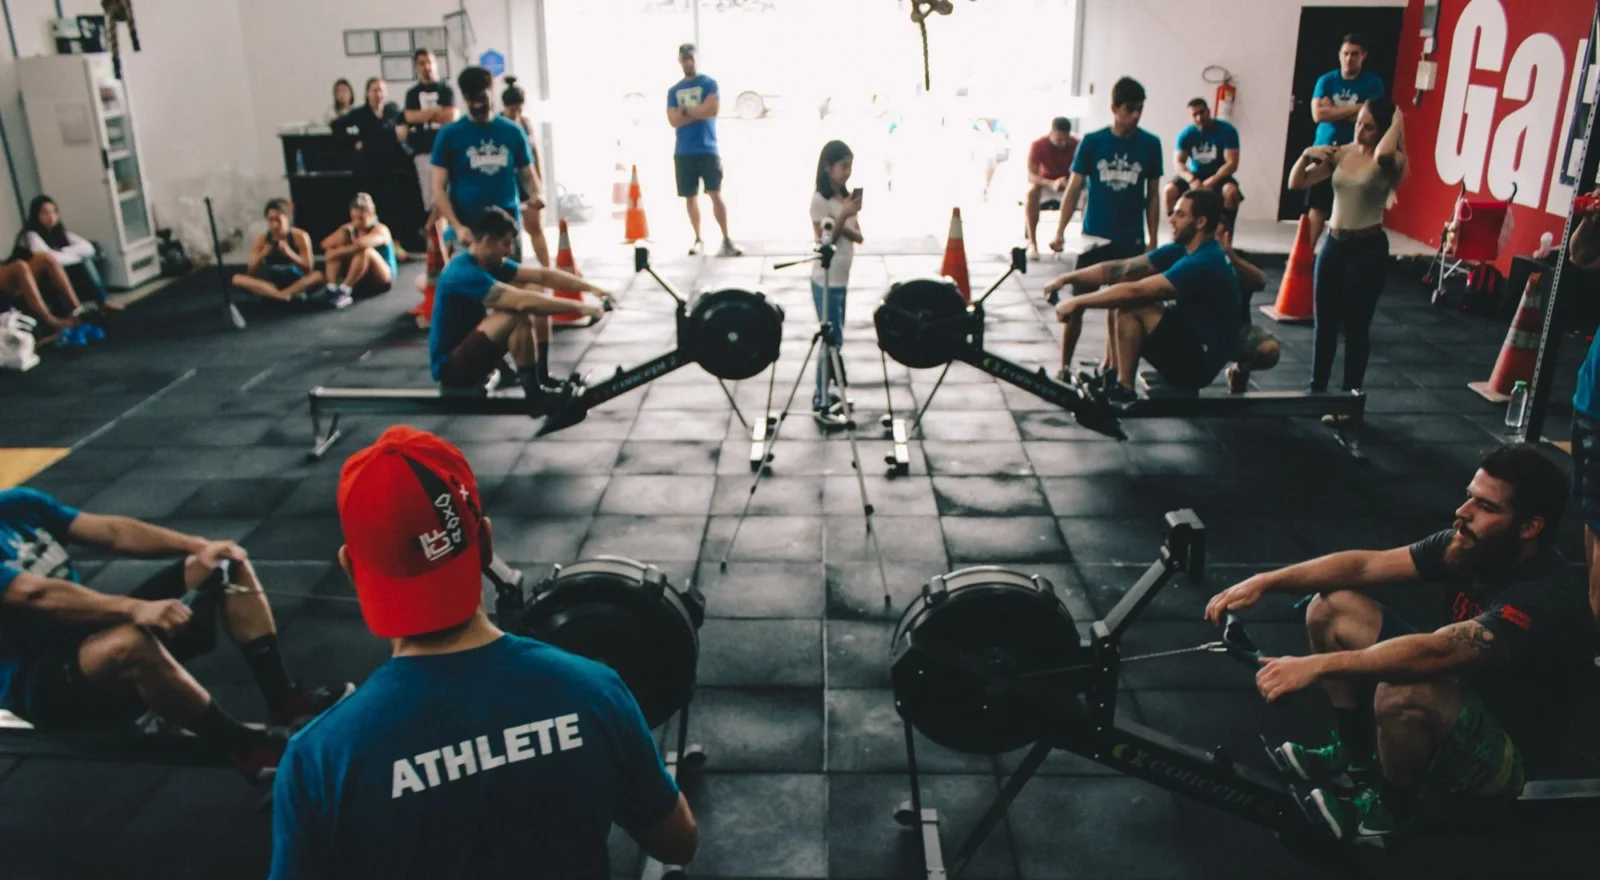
{"points": [[88, 159]]}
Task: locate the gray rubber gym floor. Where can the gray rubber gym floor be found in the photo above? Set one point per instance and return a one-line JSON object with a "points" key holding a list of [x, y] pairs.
{"points": [[208, 428]]}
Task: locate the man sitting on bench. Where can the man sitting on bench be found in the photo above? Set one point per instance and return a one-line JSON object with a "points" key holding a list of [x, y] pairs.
{"points": [[73, 658], [481, 312], [1188, 341], [1466, 709]]}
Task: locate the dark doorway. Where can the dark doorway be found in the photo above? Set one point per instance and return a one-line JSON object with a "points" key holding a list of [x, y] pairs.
{"points": [[1322, 30]]}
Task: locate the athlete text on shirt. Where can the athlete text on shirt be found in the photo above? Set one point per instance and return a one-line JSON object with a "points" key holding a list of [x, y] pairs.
{"points": [[450, 763]]}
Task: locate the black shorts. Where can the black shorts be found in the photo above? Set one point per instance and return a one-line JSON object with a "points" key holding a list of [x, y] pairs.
{"points": [[1182, 183], [1104, 254], [370, 286], [471, 362], [1586, 468], [62, 697], [1176, 352], [1320, 198], [693, 169]]}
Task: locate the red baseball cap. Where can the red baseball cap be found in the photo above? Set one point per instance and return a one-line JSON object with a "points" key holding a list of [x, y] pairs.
{"points": [[411, 514]]}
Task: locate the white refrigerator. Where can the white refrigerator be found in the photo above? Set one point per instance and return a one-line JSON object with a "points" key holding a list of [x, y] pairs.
{"points": [[88, 159]]}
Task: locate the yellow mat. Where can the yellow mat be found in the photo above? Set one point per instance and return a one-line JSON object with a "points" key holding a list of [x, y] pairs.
{"points": [[17, 465]]}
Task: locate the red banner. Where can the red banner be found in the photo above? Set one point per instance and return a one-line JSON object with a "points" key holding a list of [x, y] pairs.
{"points": [[1497, 121]]}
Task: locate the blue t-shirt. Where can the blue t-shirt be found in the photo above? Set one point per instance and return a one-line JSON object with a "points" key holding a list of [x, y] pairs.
{"points": [[483, 159], [1583, 399], [696, 138], [1344, 93], [458, 303], [32, 527], [1208, 297], [1207, 147], [1117, 170], [509, 760]]}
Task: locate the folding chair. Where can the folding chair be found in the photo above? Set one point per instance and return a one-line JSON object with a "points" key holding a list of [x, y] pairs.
{"points": [[1471, 241]]}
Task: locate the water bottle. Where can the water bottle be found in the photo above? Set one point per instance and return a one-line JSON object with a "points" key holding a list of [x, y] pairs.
{"points": [[1517, 409], [299, 161]]}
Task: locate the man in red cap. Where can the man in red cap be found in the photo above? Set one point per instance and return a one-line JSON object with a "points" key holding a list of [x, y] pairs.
{"points": [[471, 753]]}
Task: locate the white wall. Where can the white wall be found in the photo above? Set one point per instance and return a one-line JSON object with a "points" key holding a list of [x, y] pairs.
{"points": [[1166, 44], [295, 50], [216, 79]]}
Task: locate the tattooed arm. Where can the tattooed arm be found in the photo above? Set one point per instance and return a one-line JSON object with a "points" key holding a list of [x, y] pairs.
{"points": [[1417, 657], [1100, 274], [1423, 655]]}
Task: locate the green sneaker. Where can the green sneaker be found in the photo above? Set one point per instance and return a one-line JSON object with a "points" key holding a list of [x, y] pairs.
{"points": [[1362, 817], [1312, 765]]}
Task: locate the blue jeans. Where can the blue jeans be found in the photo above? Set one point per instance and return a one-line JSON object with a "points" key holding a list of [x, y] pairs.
{"points": [[86, 283], [1348, 279], [830, 308]]}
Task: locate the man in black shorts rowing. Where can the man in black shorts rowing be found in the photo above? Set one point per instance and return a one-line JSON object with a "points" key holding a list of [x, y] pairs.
{"points": [[482, 310], [1188, 341], [74, 658], [1467, 709]]}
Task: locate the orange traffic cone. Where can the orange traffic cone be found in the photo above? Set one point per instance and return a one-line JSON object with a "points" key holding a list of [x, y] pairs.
{"points": [[1294, 294], [955, 257], [1521, 349], [565, 263], [423, 311], [635, 228]]}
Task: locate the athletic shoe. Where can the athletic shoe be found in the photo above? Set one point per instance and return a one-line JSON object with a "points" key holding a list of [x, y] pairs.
{"points": [[1313, 765], [728, 249], [1338, 420], [543, 403], [1033, 254], [260, 763], [1238, 379], [308, 701], [697, 248], [1362, 817], [832, 417], [341, 300], [1120, 393]]}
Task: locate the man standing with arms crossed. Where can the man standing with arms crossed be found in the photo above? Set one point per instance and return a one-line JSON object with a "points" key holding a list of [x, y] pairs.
{"points": [[692, 107], [430, 104], [1121, 166], [1335, 101]]}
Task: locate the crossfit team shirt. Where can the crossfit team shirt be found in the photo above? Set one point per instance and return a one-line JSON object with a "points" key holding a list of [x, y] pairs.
{"points": [[32, 527], [1117, 169], [509, 760]]}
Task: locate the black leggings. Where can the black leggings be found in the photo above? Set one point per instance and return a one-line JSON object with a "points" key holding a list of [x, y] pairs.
{"points": [[1349, 278]]}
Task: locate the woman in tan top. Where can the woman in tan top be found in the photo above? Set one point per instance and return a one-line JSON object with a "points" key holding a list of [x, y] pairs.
{"points": [[1351, 266]]}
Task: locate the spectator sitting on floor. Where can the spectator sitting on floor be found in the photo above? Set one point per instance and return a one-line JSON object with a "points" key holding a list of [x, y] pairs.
{"points": [[45, 233], [369, 248], [280, 264], [1258, 349], [20, 277]]}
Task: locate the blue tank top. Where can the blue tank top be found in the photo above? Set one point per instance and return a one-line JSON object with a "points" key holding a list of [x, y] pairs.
{"points": [[1583, 399]]}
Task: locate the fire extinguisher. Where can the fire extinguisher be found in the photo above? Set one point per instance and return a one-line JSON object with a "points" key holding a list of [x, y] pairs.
{"points": [[1226, 92]]}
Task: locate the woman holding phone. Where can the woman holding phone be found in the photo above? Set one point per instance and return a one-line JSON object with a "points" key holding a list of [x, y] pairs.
{"points": [[834, 208]]}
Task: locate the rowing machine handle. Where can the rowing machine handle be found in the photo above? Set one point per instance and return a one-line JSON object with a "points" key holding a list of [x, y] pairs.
{"points": [[1019, 260], [1237, 641], [641, 258]]}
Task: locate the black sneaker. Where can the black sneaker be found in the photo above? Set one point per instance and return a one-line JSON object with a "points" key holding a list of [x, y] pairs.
{"points": [[1120, 393], [341, 300], [258, 764], [308, 701], [542, 403]]}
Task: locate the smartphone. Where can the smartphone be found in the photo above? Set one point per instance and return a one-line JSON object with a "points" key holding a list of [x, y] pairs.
{"points": [[856, 194]]}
